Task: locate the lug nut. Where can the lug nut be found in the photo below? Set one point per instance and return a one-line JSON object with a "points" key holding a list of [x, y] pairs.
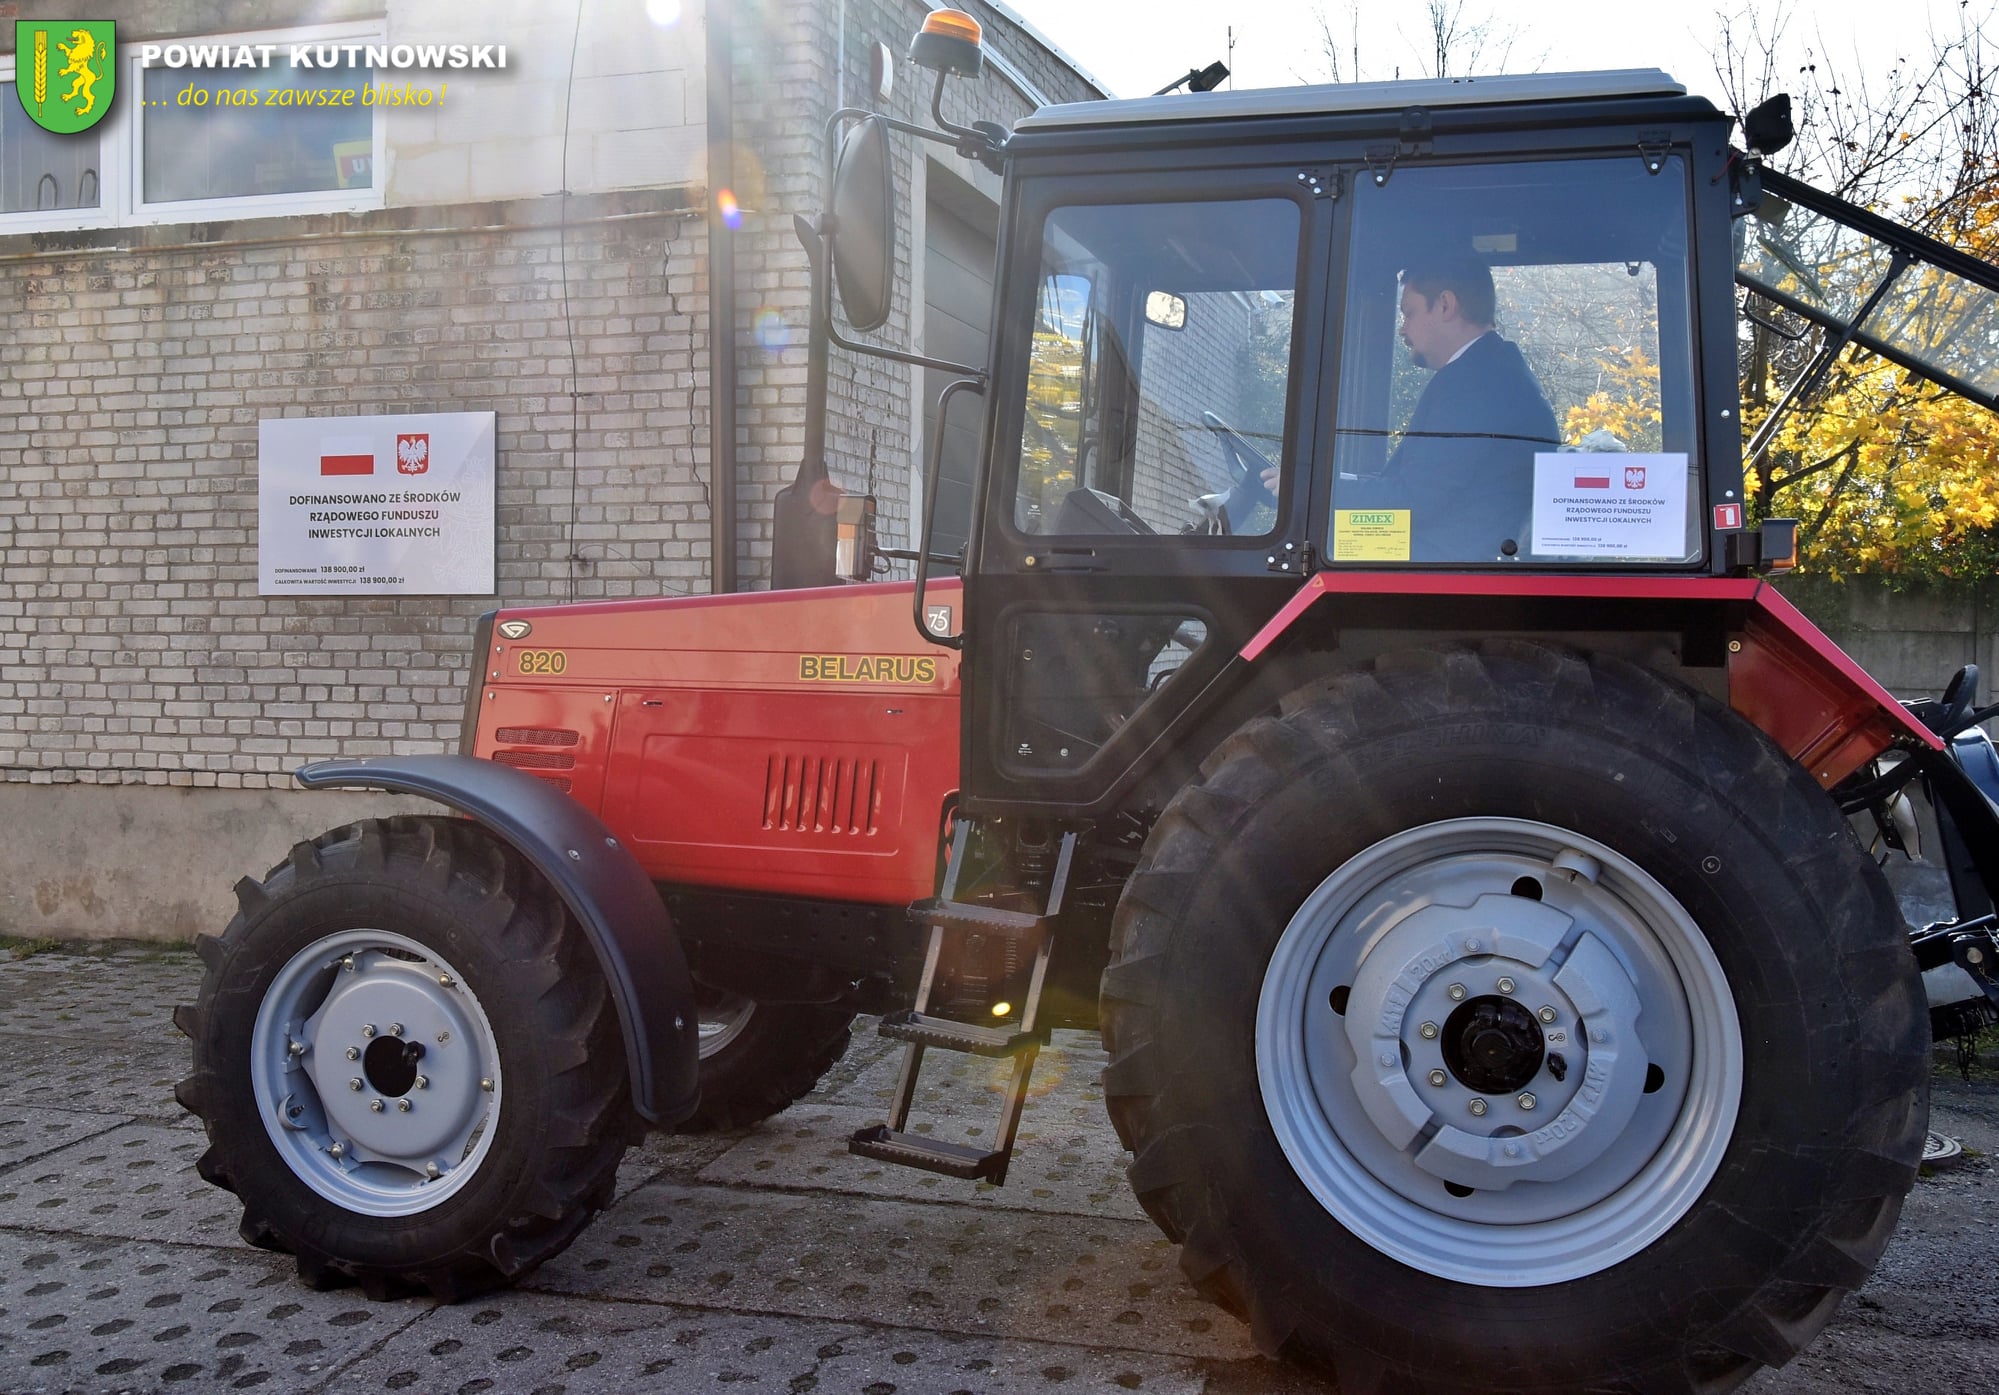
{"points": [[432, 1170], [297, 1048], [1456, 992], [338, 1150], [423, 1082], [1506, 985], [1546, 1014], [1438, 1078], [353, 1053], [347, 962], [1428, 1031], [444, 980], [402, 1106], [395, 1029], [1477, 1107], [1525, 1101], [376, 1106], [487, 1085], [368, 1029], [355, 1083]]}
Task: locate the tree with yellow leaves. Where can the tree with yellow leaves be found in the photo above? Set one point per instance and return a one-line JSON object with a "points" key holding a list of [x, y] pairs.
{"points": [[1888, 473]]}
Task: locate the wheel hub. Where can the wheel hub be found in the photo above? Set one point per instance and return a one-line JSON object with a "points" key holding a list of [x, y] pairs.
{"points": [[376, 1072], [1498, 1051], [1493, 1045], [389, 1008]]}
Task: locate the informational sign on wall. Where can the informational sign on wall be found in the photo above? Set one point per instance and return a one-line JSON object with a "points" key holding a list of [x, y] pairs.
{"points": [[375, 506], [1600, 504]]}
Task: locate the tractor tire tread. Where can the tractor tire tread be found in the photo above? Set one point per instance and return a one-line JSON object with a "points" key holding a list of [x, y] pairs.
{"points": [[1492, 682], [452, 862]]}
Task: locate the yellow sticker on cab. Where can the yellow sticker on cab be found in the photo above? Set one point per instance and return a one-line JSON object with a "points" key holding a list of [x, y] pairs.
{"points": [[867, 668], [1371, 535]]}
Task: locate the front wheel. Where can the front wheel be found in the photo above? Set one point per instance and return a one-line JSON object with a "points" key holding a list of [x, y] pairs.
{"points": [[407, 1062], [1510, 1020]]}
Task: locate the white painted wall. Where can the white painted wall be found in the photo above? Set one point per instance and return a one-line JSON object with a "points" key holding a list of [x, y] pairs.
{"points": [[636, 115]]}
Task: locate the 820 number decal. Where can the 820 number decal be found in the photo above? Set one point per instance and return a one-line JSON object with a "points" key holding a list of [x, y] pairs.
{"points": [[542, 661]]}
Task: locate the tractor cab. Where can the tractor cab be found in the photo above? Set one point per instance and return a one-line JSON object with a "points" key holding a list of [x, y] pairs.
{"points": [[1383, 328]]}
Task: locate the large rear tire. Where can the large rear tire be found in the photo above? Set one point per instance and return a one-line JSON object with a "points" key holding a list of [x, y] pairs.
{"points": [[407, 1061], [759, 1059], [1513, 1020]]}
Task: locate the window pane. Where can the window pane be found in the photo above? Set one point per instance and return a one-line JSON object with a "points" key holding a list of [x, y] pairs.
{"points": [[1517, 379], [206, 139], [1159, 367], [40, 170]]}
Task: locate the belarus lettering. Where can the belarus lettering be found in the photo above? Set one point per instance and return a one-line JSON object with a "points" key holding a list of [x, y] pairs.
{"points": [[866, 668]]}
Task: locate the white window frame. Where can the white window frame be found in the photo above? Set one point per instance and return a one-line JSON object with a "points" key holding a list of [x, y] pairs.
{"points": [[121, 144], [140, 212], [112, 147]]}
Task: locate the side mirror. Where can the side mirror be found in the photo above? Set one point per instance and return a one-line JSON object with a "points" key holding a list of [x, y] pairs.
{"points": [[862, 226], [1165, 309]]}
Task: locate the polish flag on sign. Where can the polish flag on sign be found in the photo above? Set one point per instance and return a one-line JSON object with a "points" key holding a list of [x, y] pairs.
{"points": [[1592, 481], [346, 455]]}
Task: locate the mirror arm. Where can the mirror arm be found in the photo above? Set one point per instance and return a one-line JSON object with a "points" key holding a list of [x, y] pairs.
{"points": [[1808, 381], [932, 468]]}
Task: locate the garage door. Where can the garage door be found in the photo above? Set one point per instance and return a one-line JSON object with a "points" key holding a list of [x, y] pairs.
{"points": [[960, 228]]}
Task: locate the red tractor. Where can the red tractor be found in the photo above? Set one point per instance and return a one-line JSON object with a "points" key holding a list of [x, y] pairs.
{"points": [[1404, 763]]}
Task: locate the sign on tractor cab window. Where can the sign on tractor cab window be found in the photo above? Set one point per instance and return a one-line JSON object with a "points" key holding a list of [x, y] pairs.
{"points": [[1517, 379]]}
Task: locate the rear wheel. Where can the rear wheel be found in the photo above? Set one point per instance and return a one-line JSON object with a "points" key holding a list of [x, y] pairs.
{"points": [[758, 1059], [407, 1062], [1562, 1003]]}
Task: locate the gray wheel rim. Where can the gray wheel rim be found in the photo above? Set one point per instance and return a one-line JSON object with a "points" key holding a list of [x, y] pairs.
{"points": [[723, 1018], [1549, 1180], [352, 1113]]}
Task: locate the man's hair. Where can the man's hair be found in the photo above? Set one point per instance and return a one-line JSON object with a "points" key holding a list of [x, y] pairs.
{"points": [[1466, 278]]}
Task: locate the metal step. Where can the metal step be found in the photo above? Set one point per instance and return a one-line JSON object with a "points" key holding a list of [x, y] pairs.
{"points": [[947, 1035], [884, 1144], [977, 919]]}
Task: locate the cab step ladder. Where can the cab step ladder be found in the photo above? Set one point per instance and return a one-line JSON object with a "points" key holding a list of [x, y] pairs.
{"points": [[891, 1142]]}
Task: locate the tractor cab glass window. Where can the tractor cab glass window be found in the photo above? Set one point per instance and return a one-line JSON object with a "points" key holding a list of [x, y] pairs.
{"points": [[1517, 369], [1158, 369], [1924, 316]]}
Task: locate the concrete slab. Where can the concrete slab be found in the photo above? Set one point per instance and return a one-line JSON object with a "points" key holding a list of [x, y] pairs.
{"points": [[1078, 1171], [766, 1256], [87, 1076], [522, 1341], [26, 1134], [136, 1182], [956, 1264], [96, 1315]]}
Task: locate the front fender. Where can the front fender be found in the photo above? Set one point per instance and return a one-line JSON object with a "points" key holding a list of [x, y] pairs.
{"points": [[598, 879]]}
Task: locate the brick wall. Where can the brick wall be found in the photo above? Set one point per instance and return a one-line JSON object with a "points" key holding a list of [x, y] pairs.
{"points": [[136, 647], [136, 362]]}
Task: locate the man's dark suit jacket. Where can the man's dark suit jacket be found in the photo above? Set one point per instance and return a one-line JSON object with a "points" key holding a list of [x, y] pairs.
{"points": [[1465, 468]]}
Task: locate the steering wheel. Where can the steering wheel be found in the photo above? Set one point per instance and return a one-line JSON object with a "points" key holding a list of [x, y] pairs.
{"points": [[1958, 696], [1247, 492]]}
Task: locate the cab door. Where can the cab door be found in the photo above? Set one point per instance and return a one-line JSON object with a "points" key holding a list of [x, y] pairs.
{"points": [[1154, 414]]}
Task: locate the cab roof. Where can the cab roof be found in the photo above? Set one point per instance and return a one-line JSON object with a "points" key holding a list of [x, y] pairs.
{"points": [[1348, 97]]}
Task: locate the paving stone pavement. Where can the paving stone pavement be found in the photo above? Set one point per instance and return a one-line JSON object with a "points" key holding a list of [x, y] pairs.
{"points": [[769, 1257]]}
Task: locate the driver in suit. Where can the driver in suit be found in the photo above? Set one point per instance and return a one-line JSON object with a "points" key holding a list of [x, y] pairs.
{"points": [[1465, 465]]}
